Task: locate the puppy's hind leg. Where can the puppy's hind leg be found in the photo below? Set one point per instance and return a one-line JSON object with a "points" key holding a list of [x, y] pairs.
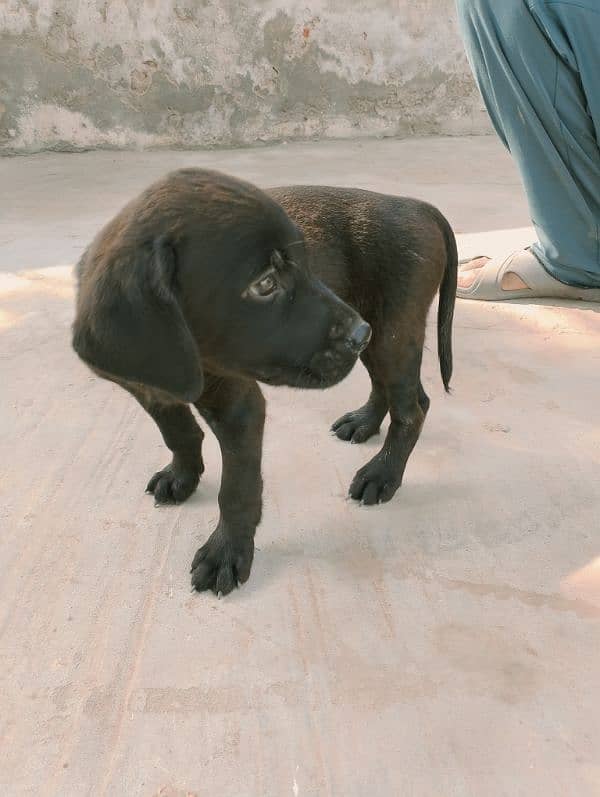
{"points": [[183, 436], [379, 479], [361, 424], [423, 398]]}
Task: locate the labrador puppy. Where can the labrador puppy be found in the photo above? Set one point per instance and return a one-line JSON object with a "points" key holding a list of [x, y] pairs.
{"points": [[204, 285]]}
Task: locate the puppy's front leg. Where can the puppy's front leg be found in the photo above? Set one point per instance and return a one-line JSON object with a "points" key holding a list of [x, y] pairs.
{"points": [[235, 410], [183, 437]]}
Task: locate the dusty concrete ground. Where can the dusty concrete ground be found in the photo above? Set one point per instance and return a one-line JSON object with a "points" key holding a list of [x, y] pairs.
{"points": [[443, 644]]}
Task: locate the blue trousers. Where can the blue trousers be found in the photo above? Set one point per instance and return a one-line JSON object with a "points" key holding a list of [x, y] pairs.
{"points": [[537, 65]]}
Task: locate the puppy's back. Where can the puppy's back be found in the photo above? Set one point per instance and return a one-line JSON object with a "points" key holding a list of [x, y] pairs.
{"points": [[358, 239], [385, 255]]}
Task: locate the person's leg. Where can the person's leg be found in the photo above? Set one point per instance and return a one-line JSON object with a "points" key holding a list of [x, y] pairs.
{"points": [[536, 64]]}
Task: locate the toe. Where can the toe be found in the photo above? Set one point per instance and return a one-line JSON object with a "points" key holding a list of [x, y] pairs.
{"points": [[243, 563], [199, 556], [226, 580], [474, 264], [370, 494], [467, 279], [181, 489], [357, 486], [467, 273], [363, 433], [387, 492], [336, 424], [345, 431], [153, 482], [341, 421], [203, 576], [163, 493]]}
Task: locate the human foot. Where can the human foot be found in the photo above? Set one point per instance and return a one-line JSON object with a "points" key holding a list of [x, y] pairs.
{"points": [[469, 271]]}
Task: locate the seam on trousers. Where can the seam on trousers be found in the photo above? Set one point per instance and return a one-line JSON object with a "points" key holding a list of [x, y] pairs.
{"points": [[573, 5], [567, 148]]}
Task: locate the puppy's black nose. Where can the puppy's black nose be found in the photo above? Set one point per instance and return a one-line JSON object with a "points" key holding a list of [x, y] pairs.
{"points": [[359, 337]]}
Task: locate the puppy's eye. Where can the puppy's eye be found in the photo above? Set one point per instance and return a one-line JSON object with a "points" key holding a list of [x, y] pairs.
{"points": [[263, 287], [266, 285]]}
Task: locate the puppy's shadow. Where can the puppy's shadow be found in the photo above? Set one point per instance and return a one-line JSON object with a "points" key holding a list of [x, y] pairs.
{"points": [[344, 540], [425, 494], [205, 495]]}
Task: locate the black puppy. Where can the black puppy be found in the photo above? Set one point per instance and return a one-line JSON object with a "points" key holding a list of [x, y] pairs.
{"points": [[386, 256], [204, 284]]}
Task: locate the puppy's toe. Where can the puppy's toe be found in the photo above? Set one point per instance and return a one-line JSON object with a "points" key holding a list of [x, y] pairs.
{"points": [[363, 432], [203, 577], [344, 432], [172, 485], [370, 494]]}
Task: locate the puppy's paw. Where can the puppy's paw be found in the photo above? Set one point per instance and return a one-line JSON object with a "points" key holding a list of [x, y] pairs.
{"points": [[357, 426], [222, 563], [173, 484], [375, 483]]}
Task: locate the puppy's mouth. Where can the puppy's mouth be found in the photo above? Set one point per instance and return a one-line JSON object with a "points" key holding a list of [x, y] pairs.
{"points": [[324, 370]]}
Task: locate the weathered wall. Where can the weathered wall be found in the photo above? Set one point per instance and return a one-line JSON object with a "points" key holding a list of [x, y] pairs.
{"points": [[120, 73]]}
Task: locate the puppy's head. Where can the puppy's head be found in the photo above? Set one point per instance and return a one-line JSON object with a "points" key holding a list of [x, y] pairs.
{"points": [[206, 272]]}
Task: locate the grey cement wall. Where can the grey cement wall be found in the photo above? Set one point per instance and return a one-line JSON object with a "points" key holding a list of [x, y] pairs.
{"points": [[202, 73]]}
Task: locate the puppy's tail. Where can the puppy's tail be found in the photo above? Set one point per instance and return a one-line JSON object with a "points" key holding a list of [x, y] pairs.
{"points": [[446, 302]]}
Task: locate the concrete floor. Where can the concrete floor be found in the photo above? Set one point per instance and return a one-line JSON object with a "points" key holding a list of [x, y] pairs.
{"points": [[443, 644]]}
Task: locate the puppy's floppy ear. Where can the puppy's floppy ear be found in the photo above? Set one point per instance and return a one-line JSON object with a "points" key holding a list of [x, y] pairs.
{"points": [[132, 326]]}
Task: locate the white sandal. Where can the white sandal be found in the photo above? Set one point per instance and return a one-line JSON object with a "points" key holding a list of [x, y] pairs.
{"points": [[487, 285]]}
